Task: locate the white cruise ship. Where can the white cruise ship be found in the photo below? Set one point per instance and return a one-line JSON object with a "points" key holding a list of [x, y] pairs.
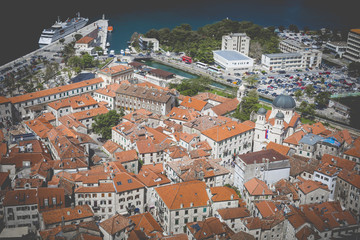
{"points": [[61, 29]]}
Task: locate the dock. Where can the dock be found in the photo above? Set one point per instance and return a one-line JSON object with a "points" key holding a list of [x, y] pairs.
{"points": [[49, 50]]}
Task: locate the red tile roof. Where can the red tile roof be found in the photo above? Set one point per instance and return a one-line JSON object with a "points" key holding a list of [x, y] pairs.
{"points": [[308, 186], [226, 107], [69, 214], [115, 69], [89, 113], [295, 138], [115, 224], [233, 213], [102, 188], [284, 150], [125, 182], [338, 162], [111, 146], [185, 194], [109, 90], [266, 208], [56, 90], [257, 187], [221, 194], [39, 126], [181, 114], [206, 96], [225, 131], [85, 40], [194, 103], [210, 228], [74, 102], [126, 156], [20, 197], [146, 223], [351, 177], [4, 100]]}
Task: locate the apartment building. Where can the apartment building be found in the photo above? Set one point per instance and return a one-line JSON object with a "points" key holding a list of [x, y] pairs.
{"points": [[282, 61], [129, 160], [237, 42], [266, 165], [149, 43], [133, 97], [22, 103], [71, 105], [207, 170], [181, 203], [348, 191], [116, 74], [228, 139], [353, 46], [108, 95], [310, 192], [233, 217], [255, 190], [211, 227], [6, 112], [289, 46], [327, 175], [337, 47]]}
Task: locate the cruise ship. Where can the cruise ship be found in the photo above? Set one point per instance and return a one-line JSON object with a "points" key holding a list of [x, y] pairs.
{"points": [[61, 29]]}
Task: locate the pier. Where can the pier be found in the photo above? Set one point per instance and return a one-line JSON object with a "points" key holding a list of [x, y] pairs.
{"points": [[49, 50]]}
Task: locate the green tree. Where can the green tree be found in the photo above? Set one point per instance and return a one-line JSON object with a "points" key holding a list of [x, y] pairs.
{"points": [[78, 37], [281, 28], [298, 94], [251, 80], [307, 110], [247, 106], [309, 90], [62, 40], [87, 60], [306, 29], [354, 69], [293, 28], [322, 99], [74, 61], [104, 122]]}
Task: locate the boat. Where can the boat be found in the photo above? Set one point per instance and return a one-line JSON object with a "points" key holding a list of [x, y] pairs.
{"points": [[112, 52], [110, 28], [107, 44], [122, 52], [61, 29]]}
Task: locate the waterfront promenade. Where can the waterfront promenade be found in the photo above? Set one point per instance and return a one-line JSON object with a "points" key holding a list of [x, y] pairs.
{"points": [[50, 50]]}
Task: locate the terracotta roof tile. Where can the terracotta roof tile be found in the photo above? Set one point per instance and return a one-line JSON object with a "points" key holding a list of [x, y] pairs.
{"points": [[194, 103], [39, 126], [257, 187], [233, 213], [125, 182], [305, 233], [226, 107], [74, 102], [69, 214], [151, 178], [269, 154], [55, 90], [338, 162], [295, 138], [266, 208], [184, 193], [225, 131], [109, 90], [146, 223], [308, 186], [89, 113], [206, 96], [115, 224], [115, 69], [111, 146], [85, 40], [20, 197], [351, 177], [221, 194], [209, 228], [102, 188], [284, 150], [181, 114], [4, 100], [126, 156]]}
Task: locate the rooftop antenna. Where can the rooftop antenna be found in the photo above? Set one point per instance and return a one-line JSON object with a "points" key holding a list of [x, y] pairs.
{"points": [[103, 17]]}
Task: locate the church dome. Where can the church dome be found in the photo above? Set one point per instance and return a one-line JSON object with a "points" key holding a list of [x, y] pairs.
{"points": [[280, 115], [262, 111], [284, 102]]}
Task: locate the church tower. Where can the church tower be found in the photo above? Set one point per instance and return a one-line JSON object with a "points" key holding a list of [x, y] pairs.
{"points": [[278, 128], [241, 93], [261, 132]]}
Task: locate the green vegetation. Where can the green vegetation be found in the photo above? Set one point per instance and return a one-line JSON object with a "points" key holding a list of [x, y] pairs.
{"points": [[354, 69], [298, 94], [307, 110], [235, 188], [191, 87], [251, 80], [221, 93], [84, 61], [260, 105], [200, 44], [247, 106], [78, 37], [322, 99], [306, 121], [104, 122]]}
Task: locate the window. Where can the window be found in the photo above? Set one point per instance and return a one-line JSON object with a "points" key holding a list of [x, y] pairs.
{"points": [[195, 210], [186, 212], [46, 202], [176, 221], [54, 200], [177, 213], [204, 210]]}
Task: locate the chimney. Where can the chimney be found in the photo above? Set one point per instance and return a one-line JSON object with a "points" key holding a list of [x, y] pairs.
{"points": [[62, 221], [72, 205], [232, 197]]}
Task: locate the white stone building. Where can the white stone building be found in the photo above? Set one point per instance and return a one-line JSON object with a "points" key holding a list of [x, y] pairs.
{"points": [[233, 61], [237, 42]]}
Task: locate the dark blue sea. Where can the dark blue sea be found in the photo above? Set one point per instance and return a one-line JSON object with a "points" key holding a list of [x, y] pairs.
{"points": [[22, 22]]}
